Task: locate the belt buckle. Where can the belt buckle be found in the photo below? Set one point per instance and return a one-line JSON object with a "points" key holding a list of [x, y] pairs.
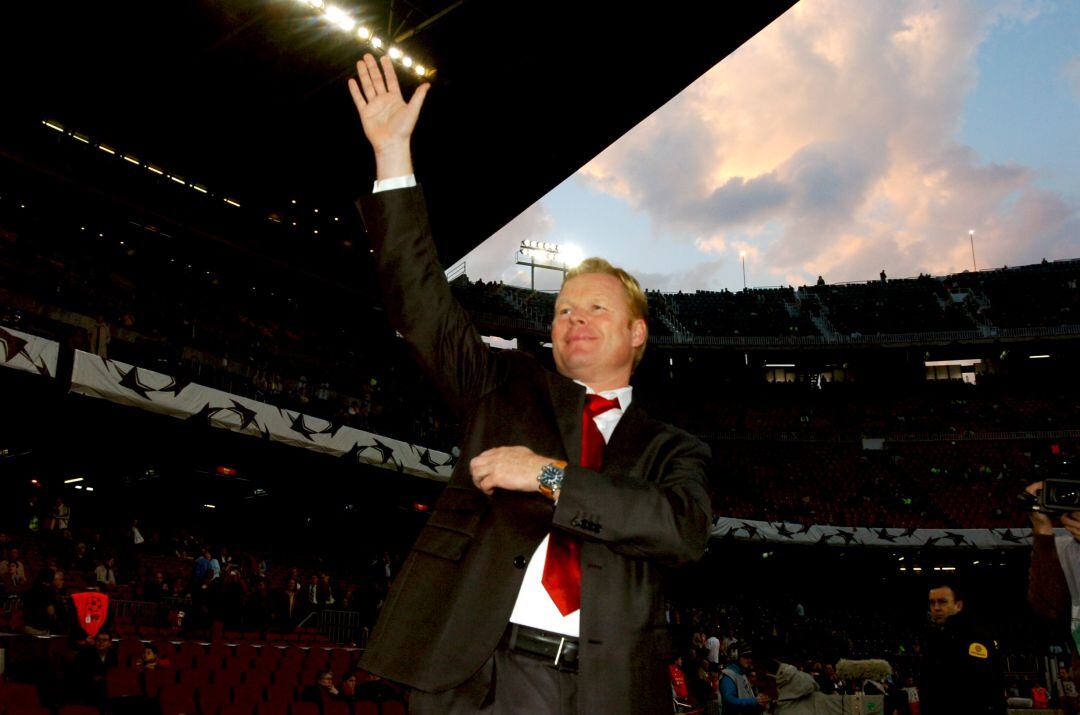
{"points": [[558, 653]]}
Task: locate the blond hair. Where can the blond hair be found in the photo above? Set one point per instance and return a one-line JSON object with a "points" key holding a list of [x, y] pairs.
{"points": [[635, 297]]}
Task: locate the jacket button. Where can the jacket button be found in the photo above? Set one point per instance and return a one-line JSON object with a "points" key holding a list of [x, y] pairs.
{"points": [[519, 562]]}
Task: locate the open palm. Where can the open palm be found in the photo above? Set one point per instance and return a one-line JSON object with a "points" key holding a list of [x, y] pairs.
{"points": [[388, 120]]}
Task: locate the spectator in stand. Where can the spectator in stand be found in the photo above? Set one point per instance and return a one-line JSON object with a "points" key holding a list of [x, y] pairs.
{"points": [[150, 660], [679, 688], [46, 610], [14, 559], [313, 595], [13, 583], [912, 694], [156, 588], [326, 591], [289, 607], [321, 691], [82, 562], [105, 573], [91, 665], [1065, 690], [712, 644], [259, 609], [201, 566], [61, 516], [736, 693], [347, 688]]}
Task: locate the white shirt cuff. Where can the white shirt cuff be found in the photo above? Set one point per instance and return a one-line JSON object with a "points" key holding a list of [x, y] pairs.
{"points": [[396, 182]]}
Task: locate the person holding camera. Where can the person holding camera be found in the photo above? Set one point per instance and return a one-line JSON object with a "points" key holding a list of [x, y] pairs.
{"points": [[1054, 578]]}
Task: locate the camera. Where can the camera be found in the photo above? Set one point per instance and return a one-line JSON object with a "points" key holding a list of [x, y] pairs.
{"points": [[1058, 496]]}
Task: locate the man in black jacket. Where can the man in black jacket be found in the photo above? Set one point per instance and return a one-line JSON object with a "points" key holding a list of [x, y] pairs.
{"points": [[537, 584], [961, 665]]}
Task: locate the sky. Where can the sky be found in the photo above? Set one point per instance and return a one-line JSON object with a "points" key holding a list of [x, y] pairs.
{"points": [[846, 138]]}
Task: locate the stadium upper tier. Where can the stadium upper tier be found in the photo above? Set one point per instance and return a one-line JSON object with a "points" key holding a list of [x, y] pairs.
{"points": [[1038, 296]]}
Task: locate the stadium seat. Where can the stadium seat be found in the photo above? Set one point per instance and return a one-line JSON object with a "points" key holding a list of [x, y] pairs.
{"points": [[176, 700], [272, 707], [236, 709], [212, 696], [303, 709], [122, 683], [365, 707], [78, 710], [250, 693], [21, 694], [154, 680], [231, 676], [393, 707], [335, 707], [26, 710]]}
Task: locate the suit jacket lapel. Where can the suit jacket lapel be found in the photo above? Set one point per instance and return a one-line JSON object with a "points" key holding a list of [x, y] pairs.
{"points": [[568, 401], [627, 441]]}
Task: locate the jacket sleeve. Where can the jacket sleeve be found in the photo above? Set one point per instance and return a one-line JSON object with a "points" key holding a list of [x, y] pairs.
{"points": [[667, 519], [418, 299], [729, 697], [1048, 593]]}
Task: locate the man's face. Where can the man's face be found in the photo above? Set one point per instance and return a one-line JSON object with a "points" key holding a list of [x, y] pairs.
{"points": [[745, 663], [58, 579], [102, 642], [943, 604], [593, 335], [14, 555]]}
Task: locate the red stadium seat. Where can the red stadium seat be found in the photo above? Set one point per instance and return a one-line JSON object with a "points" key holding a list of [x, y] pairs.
{"points": [[26, 710], [365, 707], [250, 693], [22, 694], [393, 707], [272, 708], [155, 679], [303, 709], [237, 709], [122, 683], [176, 700], [211, 696], [231, 676], [78, 710]]}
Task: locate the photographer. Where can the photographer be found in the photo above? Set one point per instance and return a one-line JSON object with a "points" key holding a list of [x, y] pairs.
{"points": [[1054, 580]]}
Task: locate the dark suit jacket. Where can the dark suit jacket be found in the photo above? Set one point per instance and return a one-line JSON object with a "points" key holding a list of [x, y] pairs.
{"points": [[648, 509]]}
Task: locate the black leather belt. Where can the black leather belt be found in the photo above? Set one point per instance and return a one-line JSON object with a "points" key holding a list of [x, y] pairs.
{"points": [[559, 651]]}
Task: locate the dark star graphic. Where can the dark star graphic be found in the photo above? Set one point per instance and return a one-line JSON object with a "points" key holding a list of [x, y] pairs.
{"points": [[823, 539], [385, 451], [751, 530], [176, 386], [205, 414], [1009, 536], [957, 539], [847, 536], [783, 531], [804, 529], [332, 428], [13, 345], [427, 461], [131, 381], [909, 532], [451, 461], [932, 540], [42, 367], [884, 535], [299, 427], [246, 414]]}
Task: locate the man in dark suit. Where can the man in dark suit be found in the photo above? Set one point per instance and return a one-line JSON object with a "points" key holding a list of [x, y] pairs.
{"points": [[536, 584]]}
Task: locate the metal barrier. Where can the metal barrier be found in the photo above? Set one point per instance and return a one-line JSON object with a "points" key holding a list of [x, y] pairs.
{"points": [[343, 627], [141, 613], [11, 604]]}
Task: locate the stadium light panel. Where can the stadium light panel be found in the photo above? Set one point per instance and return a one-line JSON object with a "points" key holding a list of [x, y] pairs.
{"points": [[130, 160], [363, 33], [420, 70], [107, 150], [407, 61], [779, 364], [1038, 357], [230, 202], [376, 42], [53, 125], [80, 137], [395, 53], [89, 489], [200, 189], [73, 480], [178, 180], [151, 167]]}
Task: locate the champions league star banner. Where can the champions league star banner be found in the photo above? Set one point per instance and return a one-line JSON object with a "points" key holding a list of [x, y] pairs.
{"points": [[788, 533], [138, 387], [28, 353]]}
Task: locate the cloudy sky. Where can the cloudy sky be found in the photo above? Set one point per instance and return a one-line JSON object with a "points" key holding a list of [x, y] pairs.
{"points": [[846, 138]]}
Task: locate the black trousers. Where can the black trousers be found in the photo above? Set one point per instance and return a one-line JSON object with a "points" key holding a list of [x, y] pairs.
{"points": [[514, 684]]}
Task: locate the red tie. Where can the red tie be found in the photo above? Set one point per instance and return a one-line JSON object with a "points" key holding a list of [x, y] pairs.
{"points": [[562, 568]]}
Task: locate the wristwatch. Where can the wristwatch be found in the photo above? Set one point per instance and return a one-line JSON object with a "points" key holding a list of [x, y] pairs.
{"points": [[551, 478]]}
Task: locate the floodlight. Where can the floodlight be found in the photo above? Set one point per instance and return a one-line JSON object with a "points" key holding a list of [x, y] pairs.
{"points": [[151, 167], [178, 180], [363, 33], [106, 149], [230, 202], [407, 61], [395, 53], [80, 137], [420, 70], [53, 125], [130, 159], [340, 17], [376, 42]]}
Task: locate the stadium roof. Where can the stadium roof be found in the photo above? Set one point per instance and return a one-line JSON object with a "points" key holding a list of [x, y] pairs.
{"points": [[250, 95]]}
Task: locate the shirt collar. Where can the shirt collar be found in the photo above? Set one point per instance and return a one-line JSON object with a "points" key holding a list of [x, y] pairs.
{"points": [[622, 394]]}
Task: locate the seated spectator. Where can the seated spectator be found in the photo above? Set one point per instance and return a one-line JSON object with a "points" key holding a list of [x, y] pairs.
{"points": [[679, 688], [13, 583], [347, 687], [91, 665], [321, 691], [82, 562], [156, 588], [46, 608], [105, 573], [150, 660], [14, 559]]}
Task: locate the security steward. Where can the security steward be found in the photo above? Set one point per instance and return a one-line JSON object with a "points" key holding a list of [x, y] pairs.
{"points": [[960, 665]]}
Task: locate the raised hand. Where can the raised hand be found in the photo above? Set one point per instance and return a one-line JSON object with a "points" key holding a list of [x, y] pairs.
{"points": [[388, 120]]}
